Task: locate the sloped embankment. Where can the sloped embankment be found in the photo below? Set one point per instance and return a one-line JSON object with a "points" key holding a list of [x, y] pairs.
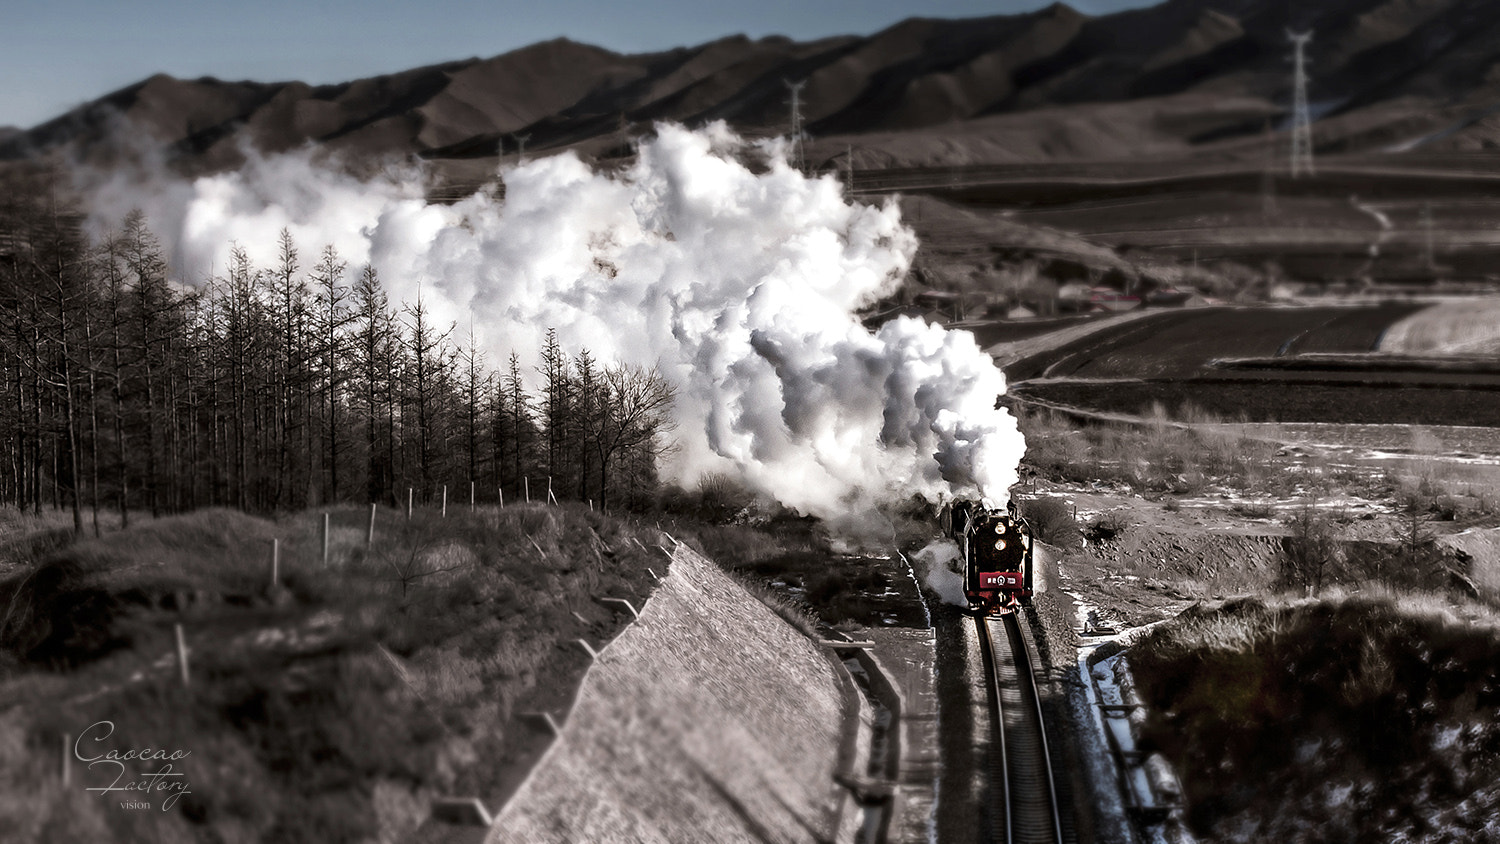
{"points": [[1343, 719], [708, 719]]}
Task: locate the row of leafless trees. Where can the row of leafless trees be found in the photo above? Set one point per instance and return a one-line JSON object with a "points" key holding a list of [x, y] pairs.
{"points": [[280, 387]]}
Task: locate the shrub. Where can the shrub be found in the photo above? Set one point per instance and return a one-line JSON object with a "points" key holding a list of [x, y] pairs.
{"points": [[1253, 509], [1052, 521], [721, 497], [1312, 550], [1106, 526]]}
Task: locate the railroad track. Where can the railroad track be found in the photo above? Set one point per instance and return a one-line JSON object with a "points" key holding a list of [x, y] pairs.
{"points": [[1024, 791]]}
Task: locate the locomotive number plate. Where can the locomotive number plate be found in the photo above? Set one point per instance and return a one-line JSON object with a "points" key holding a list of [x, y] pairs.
{"points": [[1000, 580]]}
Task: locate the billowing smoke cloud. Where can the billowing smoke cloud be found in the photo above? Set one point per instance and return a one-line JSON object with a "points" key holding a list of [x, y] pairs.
{"points": [[741, 284], [940, 564]]}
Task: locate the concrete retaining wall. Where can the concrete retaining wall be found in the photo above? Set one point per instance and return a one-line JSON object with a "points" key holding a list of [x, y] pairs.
{"points": [[708, 719]]}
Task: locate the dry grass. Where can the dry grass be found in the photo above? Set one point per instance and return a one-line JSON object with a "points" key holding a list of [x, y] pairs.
{"points": [[1265, 706], [1178, 454], [792, 612], [327, 708]]}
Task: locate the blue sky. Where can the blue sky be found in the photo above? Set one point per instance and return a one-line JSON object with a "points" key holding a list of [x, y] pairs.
{"points": [[55, 54]]}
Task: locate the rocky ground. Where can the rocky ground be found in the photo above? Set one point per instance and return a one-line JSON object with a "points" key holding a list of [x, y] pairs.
{"points": [[1143, 557]]}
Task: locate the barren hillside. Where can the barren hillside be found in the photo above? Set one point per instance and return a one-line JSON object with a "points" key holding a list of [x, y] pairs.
{"points": [[1048, 85]]}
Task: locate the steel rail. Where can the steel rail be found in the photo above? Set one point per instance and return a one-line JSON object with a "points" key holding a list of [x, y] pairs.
{"points": [[1022, 763]]}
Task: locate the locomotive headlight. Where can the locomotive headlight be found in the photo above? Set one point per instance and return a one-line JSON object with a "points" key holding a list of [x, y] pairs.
{"points": [[999, 545]]}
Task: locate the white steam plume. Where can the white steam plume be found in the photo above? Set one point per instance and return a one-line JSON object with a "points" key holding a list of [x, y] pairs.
{"points": [[940, 563], [740, 285]]}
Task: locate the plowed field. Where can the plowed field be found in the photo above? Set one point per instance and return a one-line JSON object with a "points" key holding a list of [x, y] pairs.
{"points": [[1178, 344]]}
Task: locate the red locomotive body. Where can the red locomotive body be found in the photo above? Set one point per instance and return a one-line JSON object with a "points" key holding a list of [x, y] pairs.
{"points": [[997, 552]]}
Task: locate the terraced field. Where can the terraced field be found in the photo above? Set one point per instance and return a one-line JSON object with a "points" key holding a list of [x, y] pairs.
{"points": [[1168, 359], [1267, 401], [1181, 343]]}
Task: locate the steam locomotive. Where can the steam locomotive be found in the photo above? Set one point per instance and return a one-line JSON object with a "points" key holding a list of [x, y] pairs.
{"points": [[996, 548]]}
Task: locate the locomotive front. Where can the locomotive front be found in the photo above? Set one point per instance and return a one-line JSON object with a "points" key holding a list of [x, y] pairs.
{"points": [[997, 553]]}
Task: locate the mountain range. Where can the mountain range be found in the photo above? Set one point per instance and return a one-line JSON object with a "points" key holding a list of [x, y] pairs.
{"points": [[1183, 77]]}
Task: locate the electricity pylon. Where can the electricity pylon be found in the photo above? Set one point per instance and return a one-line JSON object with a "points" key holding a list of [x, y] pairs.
{"points": [[521, 146], [796, 89], [1302, 151]]}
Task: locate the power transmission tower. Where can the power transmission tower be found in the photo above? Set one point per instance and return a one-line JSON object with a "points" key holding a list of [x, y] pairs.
{"points": [[796, 89], [1302, 151], [521, 146]]}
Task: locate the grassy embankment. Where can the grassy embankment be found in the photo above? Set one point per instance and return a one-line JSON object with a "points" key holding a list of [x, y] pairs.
{"points": [[328, 707], [1370, 717]]}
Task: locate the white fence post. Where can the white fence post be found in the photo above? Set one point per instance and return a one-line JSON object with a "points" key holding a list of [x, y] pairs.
{"points": [[182, 655]]}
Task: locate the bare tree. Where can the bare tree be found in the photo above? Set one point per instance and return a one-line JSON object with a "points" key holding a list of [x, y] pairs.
{"points": [[119, 384], [373, 335], [518, 407], [427, 365], [556, 403], [639, 411], [476, 385], [1311, 550], [238, 318], [333, 318], [56, 259], [114, 280], [151, 300], [588, 410], [290, 307]]}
